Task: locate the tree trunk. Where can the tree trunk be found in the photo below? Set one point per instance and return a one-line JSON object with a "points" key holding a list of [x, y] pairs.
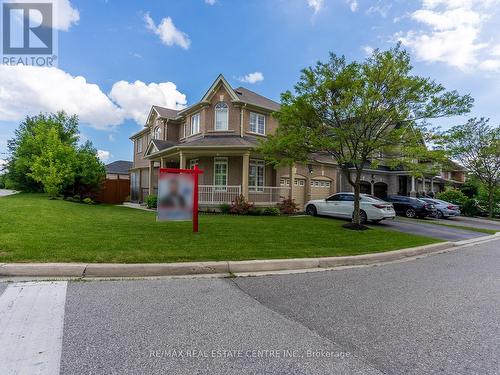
{"points": [[356, 219]]}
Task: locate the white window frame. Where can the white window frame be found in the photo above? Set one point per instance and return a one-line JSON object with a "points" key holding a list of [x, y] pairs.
{"points": [[254, 125], [220, 160], [195, 123], [138, 145], [256, 188], [157, 132], [225, 126]]}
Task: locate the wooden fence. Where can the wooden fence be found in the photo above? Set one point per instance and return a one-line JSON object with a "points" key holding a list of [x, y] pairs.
{"points": [[114, 191]]}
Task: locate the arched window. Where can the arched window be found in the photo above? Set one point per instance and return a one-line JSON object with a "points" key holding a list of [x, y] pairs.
{"points": [[221, 116], [157, 133]]}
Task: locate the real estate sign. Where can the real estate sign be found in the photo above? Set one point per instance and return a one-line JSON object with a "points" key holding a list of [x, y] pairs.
{"points": [[175, 196]]}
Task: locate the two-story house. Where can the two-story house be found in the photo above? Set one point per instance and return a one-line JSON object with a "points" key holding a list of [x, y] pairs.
{"points": [[220, 134]]}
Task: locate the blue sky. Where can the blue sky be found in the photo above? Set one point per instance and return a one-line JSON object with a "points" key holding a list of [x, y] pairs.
{"points": [[117, 57]]}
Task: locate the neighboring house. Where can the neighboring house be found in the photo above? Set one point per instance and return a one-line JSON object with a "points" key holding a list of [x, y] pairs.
{"points": [[119, 169], [220, 134], [116, 186]]}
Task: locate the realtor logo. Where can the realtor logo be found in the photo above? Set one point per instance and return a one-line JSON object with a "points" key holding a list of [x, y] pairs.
{"points": [[27, 29]]}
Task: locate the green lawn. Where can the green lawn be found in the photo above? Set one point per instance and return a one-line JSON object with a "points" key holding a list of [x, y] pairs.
{"points": [[34, 228]]}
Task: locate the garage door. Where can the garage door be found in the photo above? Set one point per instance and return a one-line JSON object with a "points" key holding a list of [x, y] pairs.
{"points": [[320, 189]]}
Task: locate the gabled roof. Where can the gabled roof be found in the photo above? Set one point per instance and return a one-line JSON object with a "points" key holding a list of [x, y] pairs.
{"points": [[220, 80], [165, 112], [119, 167], [250, 97], [158, 145]]}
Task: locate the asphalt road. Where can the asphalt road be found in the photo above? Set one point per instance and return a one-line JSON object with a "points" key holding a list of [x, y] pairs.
{"points": [[437, 314], [431, 230]]}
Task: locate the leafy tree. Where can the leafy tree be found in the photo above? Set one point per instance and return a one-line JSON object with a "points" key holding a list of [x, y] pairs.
{"points": [[89, 171], [24, 148], [476, 145], [53, 168], [361, 113]]}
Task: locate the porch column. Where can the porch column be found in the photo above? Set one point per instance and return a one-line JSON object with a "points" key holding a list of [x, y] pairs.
{"points": [[244, 174], [182, 161], [292, 180], [162, 162], [372, 187], [151, 174], [413, 193], [432, 184]]}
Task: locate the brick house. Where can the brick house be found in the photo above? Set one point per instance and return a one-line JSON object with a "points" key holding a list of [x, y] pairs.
{"points": [[220, 134]]}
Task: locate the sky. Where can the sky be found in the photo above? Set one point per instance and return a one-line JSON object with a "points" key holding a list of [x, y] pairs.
{"points": [[116, 58]]}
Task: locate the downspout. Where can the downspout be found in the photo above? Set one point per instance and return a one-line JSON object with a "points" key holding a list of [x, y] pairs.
{"points": [[241, 119]]}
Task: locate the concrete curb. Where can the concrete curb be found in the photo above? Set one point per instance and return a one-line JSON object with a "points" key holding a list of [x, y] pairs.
{"points": [[81, 270]]}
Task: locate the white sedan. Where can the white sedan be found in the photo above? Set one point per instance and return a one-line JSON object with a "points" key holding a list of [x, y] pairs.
{"points": [[342, 205]]}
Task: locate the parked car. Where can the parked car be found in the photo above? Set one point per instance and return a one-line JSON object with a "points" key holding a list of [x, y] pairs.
{"points": [[342, 205], [443, 209], [411, 207]]}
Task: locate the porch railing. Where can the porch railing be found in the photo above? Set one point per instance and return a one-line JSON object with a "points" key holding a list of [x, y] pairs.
{"points": [[212, 194], [268, 194]]}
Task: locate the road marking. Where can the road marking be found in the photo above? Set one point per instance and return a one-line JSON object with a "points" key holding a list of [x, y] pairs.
{"points": [[31, 327]]}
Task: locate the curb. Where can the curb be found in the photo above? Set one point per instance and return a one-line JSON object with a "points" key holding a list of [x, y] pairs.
{"points": [[223, 268]]}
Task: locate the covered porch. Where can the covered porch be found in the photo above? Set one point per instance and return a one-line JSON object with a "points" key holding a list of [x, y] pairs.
{"points": [[226, 175]]}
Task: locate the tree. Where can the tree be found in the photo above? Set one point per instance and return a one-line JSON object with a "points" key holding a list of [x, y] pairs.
{"points": [[24, 148], [476, 145], [53, 168], [89, 171], [361, 113]]}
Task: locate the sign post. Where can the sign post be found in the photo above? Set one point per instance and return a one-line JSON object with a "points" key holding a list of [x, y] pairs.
{"points": [[174, 202]]}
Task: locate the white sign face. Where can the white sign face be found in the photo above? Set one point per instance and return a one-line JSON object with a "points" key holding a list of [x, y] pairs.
{"points": [[175, 196]]}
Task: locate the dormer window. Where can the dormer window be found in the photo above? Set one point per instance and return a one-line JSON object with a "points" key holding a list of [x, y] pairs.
{"points": [[221, 116], [257, 123], [157, 133]]}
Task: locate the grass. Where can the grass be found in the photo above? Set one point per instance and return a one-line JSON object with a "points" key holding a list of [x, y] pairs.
{"points": [[36, 229], [464, 227]]}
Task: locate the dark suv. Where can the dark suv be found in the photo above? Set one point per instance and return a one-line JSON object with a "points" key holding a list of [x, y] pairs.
{"points": [[411, 207]]}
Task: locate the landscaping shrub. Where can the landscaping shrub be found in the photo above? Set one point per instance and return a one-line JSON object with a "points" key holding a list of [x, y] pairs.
{"points": [[470, 208], [88, 201], [288, 206], [240, 206], [271, 211], [225, 208], [255, 211], [454, 196], [151, 201]]}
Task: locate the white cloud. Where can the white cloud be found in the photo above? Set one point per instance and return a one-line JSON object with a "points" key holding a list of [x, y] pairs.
{"points": [[252, 78], [353, 5], [490, 64], [103, 155], [136, 98], [452, 34], [64, 15], [29, 90], [381, 9], [167, 32], [368, 50], [210, 2], [315, 4]]}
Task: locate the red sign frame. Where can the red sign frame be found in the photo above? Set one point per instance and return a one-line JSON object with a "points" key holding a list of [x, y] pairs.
{"points": [[195, 172]]}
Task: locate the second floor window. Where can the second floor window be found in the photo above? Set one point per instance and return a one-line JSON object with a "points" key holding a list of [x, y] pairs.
{"points": [[157, 133], [138, 145], [195, 124], [257, 123], [221, 116]]}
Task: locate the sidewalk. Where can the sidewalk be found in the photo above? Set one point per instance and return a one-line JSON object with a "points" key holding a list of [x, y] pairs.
{"points": [[5, 192], [223, 268]]}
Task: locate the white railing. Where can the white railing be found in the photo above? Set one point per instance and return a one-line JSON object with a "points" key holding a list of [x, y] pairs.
{"points": [[268, 194], [211, 194]]}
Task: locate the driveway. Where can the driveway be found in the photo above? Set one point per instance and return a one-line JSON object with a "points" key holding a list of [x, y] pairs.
{"points": [[428, 229], [474, 222], [434, 315], [5, 192]]}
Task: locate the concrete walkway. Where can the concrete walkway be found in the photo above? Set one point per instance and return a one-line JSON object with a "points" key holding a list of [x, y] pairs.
{"points": [[5, 192]]}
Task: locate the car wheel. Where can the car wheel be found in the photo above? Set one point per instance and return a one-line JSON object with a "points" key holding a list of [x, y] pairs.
{"points": [[410, 212], [311, 210], [439, 215], [362, 217]]}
